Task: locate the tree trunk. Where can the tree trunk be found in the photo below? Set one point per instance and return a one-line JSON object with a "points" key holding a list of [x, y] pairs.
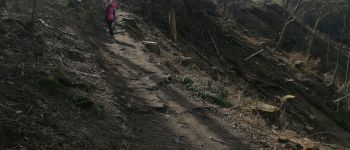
{"points": [[340, 49], [312, 35], [34, 11], [347, 68], [327, 55], [172, 24]]}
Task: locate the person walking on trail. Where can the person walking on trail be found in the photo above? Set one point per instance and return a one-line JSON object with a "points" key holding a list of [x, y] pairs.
{"points": [[110, 15]]}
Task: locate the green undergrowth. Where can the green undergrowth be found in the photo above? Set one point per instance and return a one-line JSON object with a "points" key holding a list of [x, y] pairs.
{"points": [[217, 96]]}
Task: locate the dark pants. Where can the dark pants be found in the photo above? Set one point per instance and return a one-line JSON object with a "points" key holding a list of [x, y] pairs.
{"points": [[110, 26]]}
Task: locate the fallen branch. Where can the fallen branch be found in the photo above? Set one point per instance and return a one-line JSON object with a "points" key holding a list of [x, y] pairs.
{"points": [[54, 28], [216, 48], [255, 54]]}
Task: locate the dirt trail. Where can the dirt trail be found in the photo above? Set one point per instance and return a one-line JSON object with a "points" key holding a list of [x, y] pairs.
{"points": [[162, 116]]}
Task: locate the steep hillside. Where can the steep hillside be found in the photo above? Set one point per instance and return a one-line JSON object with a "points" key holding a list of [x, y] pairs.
{"points": [[225, 42], [64, 85]]}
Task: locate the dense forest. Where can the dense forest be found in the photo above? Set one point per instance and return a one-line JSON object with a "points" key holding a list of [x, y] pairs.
{"points": [[174, 74]]}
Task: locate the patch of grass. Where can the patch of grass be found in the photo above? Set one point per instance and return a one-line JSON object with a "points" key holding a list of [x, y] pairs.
{"points": [[218, 96], [215, 98]]}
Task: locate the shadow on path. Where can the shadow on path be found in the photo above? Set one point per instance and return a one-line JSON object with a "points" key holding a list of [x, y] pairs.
{"points": [[153, 130]]}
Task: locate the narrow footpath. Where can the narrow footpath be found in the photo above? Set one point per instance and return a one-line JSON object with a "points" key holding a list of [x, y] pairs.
{"points": [[162, 116]]}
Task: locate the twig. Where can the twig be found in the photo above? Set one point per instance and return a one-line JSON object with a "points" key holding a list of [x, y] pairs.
{"points": [[251, 56], [51, 27], [339, 99], [216, 140], [216, 48], [63, 18]]}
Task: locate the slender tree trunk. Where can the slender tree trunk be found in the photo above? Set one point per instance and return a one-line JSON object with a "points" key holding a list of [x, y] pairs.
{"points": [[285, 6], [2, 5], [340, 49], [348, 63], [225, 9], [327, 55], [34, 11], [312, 35], [291, 18], [347, 68], [172, 24]]}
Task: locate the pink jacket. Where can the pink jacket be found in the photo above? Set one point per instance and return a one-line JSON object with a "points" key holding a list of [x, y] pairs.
{"points": [[110, 11]]}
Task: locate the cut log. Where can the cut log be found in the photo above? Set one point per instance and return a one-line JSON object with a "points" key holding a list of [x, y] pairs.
{"points": [[270, 112], [185, 61], [265, 108], [152, 46], [288, 97], [302, 143]]}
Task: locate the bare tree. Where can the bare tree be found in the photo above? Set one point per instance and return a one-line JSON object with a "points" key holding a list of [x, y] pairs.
{"points": [[340, 47], [291, 18], [312, 35], [327, 54], [285, 7]]}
